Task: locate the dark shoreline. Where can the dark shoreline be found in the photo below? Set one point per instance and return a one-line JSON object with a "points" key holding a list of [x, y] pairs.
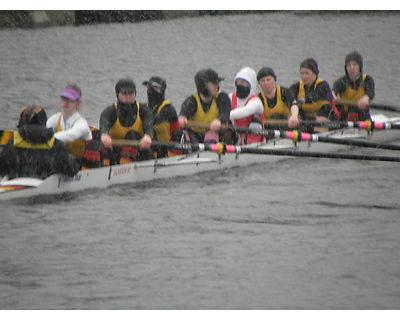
{"points": [[30, 19]]}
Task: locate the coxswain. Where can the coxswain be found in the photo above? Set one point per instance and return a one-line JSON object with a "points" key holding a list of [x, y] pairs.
{"points": [[33, 151]]}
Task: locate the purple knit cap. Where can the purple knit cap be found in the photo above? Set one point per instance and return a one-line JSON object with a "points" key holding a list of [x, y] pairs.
{"points": [[71, 94]]}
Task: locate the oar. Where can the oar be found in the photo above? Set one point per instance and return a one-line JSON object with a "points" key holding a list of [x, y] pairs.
{"points": [[297, 153], [343, 102], [364, 125], [296, 136], [356, 143], [222, 149]]}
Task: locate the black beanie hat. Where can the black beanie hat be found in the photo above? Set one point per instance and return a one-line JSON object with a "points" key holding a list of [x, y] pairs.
{"points": [[354, 56], [264, 72], [32, 115], [311, 64], [125, 85]]}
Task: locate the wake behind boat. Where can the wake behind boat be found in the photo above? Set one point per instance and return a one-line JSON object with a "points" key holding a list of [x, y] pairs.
{"points": [[202, 160]]}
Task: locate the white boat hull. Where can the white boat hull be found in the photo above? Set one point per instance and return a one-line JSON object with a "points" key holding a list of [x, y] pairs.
{"points": [[165, 168]]}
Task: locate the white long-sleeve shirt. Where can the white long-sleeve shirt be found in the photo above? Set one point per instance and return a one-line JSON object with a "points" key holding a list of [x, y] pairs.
{"points": [[73, 128], [254, 106]]}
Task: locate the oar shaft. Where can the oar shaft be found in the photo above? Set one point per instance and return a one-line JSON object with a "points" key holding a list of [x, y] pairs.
{"points": [[221, 149], [359, 143], [297, 153], [343, 102], [299, 136]]}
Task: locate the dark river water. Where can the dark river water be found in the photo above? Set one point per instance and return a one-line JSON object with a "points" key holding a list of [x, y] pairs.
{"points": [[297, 234]]}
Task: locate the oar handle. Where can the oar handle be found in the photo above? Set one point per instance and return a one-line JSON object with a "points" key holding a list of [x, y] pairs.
{"points": [[125, 143]]}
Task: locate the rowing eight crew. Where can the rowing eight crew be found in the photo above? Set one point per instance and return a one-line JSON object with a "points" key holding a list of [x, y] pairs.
{"points": [[31, 151]]}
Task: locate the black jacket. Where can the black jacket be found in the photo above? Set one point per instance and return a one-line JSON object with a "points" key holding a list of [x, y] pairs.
{"points": [[38, 163]]}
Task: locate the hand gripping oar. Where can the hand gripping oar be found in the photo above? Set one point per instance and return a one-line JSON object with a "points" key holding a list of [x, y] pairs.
{"points": [[220, 148], [343, 102]]}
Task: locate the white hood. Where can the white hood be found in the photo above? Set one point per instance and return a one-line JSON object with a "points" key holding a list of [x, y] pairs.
{"points": [[254, 106], [250, 76]]}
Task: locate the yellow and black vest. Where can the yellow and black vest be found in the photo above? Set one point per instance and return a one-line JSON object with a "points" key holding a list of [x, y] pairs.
{"points": [[279, 108], [19, 142], [205, 117], [163, 129], [118, 131], [77, 147], [351, 94], [311, 109]]}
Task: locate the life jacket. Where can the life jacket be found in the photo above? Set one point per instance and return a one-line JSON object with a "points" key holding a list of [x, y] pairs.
{"points": [[280, 107], [163, 129], [245, 122], [353, 113], [118, 131], [77, 147], [205, 117], [19, 142], [311, 109]]}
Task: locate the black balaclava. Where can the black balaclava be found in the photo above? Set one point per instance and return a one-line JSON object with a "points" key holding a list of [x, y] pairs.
{"points": [[155, 98], [242, 91]]}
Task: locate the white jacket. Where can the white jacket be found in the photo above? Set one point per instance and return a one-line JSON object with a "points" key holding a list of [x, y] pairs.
{"points": [[73, 128], [255, 106]]}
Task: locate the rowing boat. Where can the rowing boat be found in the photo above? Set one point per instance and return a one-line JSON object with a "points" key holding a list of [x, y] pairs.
{"points": [[184, 165]]}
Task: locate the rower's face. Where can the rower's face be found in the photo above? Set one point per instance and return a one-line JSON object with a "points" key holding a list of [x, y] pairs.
{"points": [[307, 76], [267, 84], [69, 107], [213, 87], [353, 69], [127, 97]]}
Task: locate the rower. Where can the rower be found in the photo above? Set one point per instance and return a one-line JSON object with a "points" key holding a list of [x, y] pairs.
{"points": [[126, 119], [247, 108], [166, 124], [314, 95], [208, 108], [72, 128], [279, 102], [354, 86]]}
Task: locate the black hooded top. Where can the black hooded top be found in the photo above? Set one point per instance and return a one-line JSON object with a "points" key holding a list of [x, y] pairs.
{"points": [[33, 151]]}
